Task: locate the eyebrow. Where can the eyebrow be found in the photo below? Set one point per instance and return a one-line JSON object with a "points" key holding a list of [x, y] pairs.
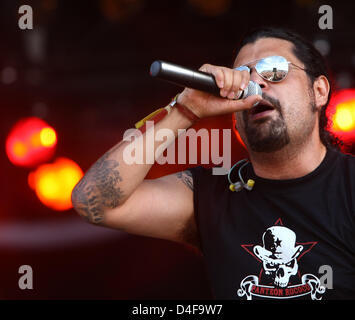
{"points": [[248, 63]]}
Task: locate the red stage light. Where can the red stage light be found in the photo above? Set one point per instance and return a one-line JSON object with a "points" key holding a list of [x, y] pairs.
{"points": [[54, 183], [237, 134], [30, 142], [341, 111]]}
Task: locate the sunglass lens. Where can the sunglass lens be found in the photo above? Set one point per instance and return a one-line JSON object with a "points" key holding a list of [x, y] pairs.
{"points": [[273, 68]]}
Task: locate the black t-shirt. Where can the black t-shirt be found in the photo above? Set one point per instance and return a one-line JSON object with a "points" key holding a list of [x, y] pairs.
{"points": [[284, 238]]}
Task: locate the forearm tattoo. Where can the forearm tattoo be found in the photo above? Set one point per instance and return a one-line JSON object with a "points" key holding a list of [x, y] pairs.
{"points": [[186, 178], [98, 190]]}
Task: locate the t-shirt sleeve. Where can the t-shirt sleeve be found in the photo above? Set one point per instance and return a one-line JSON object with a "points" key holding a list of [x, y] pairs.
{"points": [[204, 197]]}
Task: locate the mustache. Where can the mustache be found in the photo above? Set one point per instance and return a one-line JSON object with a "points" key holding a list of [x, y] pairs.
{"points": [[275, 102]]}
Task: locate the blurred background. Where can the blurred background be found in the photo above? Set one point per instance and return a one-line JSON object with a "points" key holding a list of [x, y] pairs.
{"points": [[70, 88]]}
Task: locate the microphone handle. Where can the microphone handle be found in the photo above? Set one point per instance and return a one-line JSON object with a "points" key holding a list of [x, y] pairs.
{"points": [[184, 77]]}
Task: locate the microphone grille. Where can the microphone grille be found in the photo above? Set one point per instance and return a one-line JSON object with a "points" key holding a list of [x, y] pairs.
{"points": [[252, 89]]}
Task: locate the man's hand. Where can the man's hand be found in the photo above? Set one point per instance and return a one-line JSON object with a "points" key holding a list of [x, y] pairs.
{"points": [[230, 82]]}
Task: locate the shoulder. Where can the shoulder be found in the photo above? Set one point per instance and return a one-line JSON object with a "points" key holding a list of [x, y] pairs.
{"points": [[213, 173], [345, 169], [346, 159], [185, 177], [206, 178]]}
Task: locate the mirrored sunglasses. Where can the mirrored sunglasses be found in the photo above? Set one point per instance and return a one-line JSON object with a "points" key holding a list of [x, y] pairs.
{"points": [[273, 69]]}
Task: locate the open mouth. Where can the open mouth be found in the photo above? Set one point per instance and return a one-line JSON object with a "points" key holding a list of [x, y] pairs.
{"points": [[264, 108]]}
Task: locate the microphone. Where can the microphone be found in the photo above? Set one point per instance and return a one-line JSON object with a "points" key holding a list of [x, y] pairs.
{"points": [[199, 80]]}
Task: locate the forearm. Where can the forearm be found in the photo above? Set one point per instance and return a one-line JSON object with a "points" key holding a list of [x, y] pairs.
{"points": [[111, 181]]}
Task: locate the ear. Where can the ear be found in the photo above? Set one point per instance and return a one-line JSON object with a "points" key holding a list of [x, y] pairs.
{"points": [[321, 90]]}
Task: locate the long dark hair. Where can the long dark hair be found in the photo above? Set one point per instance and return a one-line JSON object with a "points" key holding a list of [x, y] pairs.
{"points": [[315, 66]]}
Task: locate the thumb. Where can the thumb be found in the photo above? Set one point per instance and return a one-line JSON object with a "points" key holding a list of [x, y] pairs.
{"points": [[249, 102]]}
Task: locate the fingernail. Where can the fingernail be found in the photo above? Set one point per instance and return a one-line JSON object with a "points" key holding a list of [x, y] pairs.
{"points": [[224, 93], [256, 103], [231, 95], [243, 86], [238, 94]]}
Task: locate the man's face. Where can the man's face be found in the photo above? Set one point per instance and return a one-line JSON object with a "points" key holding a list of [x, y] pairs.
{"points": [[293, 118]]}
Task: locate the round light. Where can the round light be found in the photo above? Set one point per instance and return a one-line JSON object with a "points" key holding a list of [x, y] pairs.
{"points": [[47, 137], [341, 111], [343, 118], [31, 141], [54, 183]]}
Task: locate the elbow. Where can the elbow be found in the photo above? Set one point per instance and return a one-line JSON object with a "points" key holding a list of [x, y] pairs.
{"points": [[78, 200], [86, 203], [75, 199]]}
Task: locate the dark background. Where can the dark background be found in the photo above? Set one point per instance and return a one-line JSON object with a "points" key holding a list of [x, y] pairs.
{"points": [[84, 69]]}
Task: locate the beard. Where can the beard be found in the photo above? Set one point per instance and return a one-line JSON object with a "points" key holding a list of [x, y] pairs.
{"points": [[271, 134], [267, 134]]}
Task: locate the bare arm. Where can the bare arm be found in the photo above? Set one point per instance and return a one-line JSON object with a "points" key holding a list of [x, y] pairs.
{"points": [[161, 208], [99, 189], [115, 194]]}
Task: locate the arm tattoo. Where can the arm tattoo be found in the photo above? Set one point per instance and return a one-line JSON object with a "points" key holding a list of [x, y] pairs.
{"points": [[98, 189], [186, 178]]}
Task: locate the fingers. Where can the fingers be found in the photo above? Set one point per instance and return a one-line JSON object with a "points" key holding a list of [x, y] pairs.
{"points": [[229, 81], [251, 101], [230, 106], [216, 72], [245, 79]]}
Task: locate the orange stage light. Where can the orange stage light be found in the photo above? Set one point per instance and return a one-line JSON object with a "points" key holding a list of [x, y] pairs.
{"points": [[54, 183], [342, 113], [30, 142]]}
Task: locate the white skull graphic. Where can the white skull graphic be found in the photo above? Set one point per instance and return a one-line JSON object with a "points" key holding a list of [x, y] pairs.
{"points": [[279, 254]]}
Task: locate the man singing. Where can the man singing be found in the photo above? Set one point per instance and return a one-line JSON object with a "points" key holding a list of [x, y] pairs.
{"points": [[289, 233]]}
